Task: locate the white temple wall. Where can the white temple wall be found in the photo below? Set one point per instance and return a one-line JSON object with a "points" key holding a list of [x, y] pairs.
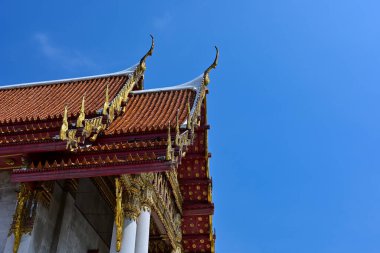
{"points": [[62, 227], [45, 224], [76, 234], [8, 202], [92, 205]]}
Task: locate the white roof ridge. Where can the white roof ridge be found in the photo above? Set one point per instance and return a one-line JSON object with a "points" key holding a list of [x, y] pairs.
{"points": [[66, 80], [194, 84]]}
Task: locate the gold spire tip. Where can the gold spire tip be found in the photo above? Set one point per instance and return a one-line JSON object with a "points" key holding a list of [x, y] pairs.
{"points": [[82, 115], [212, 66], [106, 102], [169, 145], [149, 53]]}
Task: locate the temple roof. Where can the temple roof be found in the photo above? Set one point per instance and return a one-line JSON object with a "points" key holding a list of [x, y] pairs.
{"points": [[155, 110], [112, 126], [48, 99]]}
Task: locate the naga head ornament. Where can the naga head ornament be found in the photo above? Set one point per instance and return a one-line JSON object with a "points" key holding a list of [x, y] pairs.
{"points": [[64, 126], [206, 78], [149, 53], [106, 102], [82, 114]]}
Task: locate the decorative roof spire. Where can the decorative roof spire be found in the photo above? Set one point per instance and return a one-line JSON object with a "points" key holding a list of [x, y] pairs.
{"points": [[206, 78], [149, 53], [177, 129], [65, 126], [169, 145], [188, 115], [82, 115], [106, 102]]}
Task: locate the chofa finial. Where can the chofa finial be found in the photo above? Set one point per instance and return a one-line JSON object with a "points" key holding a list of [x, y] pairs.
{"points": [[169, 145], [149, 53], [106, 102], [188, 125], [64, 126], [212, 66], [82, 114]]}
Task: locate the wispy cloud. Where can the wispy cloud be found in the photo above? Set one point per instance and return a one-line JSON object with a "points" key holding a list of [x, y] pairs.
{"points": [[60, 55], [163, 21]]}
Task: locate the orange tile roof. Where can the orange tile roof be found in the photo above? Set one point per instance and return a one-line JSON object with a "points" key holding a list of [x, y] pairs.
{"points": [[151, 111], [49, 99]]}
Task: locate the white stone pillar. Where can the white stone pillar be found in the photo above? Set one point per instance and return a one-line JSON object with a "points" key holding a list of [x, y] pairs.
{"points": [[24, 244], [129, 236], [113, 240], [142, 235], [9, 244]]}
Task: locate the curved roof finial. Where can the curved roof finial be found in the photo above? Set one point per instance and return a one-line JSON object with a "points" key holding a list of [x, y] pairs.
{"points": [[82, 114], [65, 126], [149, 53], [212, 66], [168, 156], [106, 102]]}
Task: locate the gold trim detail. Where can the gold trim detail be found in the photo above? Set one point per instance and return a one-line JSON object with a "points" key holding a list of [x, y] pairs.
{"points": [[119, 216], [65, 126], [91, 128], [20, 210], [142, 65], [27, 201], [169, 149], [106, 102], [212, 66], [154, 191], [82, 114], [24, 215], [194, 115]]}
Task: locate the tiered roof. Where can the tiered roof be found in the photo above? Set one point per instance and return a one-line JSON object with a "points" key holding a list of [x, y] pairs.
{"points": [[109, 125]]}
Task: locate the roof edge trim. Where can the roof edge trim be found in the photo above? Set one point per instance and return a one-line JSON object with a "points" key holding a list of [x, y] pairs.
{"points": [[66, 80], [194, 84]]}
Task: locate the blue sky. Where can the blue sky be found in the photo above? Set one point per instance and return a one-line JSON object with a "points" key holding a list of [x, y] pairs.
{"points": [[293, 105]]}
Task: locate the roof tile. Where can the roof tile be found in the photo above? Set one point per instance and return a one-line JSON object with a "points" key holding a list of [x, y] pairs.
{"points": [[146, 112], [48, 100]]}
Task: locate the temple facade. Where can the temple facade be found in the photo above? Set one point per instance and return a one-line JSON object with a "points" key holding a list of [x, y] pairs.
{"points": [[100, 164]]}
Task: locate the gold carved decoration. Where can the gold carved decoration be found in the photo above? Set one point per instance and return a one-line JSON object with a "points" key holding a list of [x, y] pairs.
{"points": [[166, 208], [106, 102], [23, 196], [9, 161], [177, 132], [65, 126], [119, 216], [169, 145], [72, 140], [110, 111], [142, 65], [194, 114], [27, 199], [188, 125], [147, 199], [132, 203], [82, 115], [173, 180], [176, 250], [159, 192], [212, 66]]}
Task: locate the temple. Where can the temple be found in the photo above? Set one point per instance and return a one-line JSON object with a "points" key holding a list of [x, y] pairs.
{"points": [[100, 164]]}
